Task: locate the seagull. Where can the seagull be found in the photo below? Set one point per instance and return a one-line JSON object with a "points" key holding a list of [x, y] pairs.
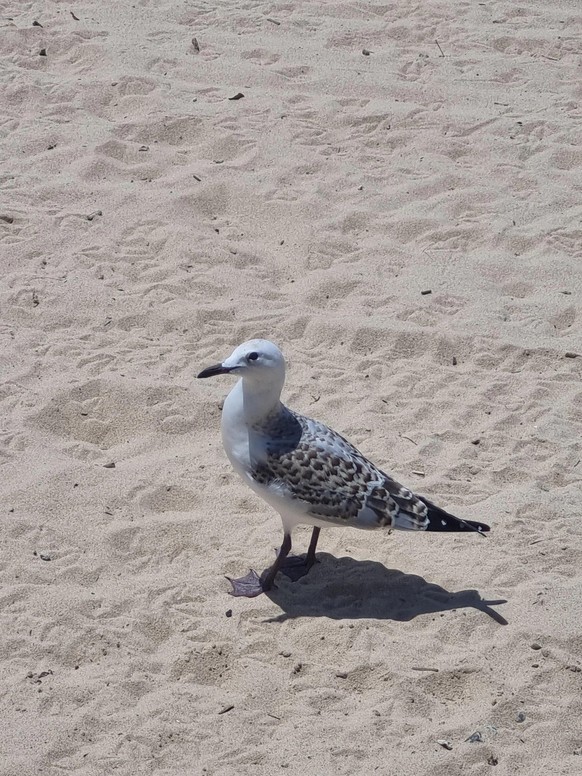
{"points": [[306, 471]]}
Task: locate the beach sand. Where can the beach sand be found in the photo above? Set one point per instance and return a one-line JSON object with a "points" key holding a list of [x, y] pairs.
{"points": [[149, 223]]}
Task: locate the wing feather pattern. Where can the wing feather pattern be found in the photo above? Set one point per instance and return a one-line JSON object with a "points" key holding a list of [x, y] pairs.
{"points": [[335, 482]]}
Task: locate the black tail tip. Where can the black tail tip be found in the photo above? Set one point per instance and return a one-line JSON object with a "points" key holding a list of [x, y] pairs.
{"points": [[481, 528], [455, 524], [439, 520]]}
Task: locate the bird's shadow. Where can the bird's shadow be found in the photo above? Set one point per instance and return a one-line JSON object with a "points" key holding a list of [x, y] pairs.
{"points": [[344, 588]]}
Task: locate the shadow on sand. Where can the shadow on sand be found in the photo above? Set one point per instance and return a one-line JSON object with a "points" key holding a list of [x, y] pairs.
{"points": [[344, 588]]}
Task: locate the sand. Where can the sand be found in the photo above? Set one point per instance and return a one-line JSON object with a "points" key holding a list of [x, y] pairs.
{"points": [[148, 224]]}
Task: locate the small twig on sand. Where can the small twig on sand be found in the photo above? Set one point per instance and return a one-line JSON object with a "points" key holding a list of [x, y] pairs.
{"points": [[440, 49]]}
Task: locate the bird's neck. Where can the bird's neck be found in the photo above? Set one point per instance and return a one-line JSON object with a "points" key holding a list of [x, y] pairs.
{"points": [[245, 415], [259, 400]]}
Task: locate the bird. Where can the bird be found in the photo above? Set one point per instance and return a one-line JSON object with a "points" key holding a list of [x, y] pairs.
{"points": [[307, 472]]}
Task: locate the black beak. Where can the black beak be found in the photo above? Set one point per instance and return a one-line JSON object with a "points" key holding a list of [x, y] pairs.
{"points": [[212, 371]]}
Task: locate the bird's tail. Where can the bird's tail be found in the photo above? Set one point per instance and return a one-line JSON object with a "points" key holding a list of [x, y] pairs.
{"points": [[439, 520]]}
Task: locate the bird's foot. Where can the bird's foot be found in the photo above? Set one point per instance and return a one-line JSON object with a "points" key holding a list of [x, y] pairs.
{"points": [[249, 586], [297, 566]]}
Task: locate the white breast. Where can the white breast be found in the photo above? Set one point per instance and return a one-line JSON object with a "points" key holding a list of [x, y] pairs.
{"points": [[244, 449], [235, 433]]}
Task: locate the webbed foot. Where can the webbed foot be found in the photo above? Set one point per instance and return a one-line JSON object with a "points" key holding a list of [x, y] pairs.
{"points": [[249, 586]]}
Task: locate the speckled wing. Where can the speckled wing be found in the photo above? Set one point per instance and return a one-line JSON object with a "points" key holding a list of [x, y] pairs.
{"points": [[309, 463]]}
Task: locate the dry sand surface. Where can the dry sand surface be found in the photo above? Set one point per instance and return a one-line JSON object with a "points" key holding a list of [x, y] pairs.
{"points": [[150, 223]]}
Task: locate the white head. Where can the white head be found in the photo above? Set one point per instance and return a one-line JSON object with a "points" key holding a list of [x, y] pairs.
{"points": [[257, 361]]}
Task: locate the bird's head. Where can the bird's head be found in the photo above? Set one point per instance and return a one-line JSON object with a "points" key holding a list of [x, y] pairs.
{"points": [[257, 360]]}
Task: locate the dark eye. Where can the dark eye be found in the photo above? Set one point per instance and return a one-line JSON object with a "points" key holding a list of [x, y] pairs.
{"points": [[252, 356]]}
